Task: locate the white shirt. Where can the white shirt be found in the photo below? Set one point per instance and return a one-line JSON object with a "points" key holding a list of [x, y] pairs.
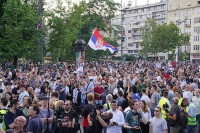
{"points": [[145, 98], [186, 95], [116, 91], [22, 95], [117, 117], [196, 101], [147, 115]]}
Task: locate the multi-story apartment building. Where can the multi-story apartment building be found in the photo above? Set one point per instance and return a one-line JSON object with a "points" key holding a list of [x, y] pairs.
{"points": [[186, 14], [134, 19]]}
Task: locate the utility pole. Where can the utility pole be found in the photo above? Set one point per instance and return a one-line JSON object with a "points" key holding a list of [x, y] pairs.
{"points": [[122, 58], [41, 39]]}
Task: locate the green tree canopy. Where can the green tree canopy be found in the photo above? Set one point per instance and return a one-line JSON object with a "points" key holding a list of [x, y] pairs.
{"points": [[17, 30]]}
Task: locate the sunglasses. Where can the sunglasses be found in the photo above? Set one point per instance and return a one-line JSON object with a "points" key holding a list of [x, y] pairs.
{"points": [[156, 110], [66, 104], [130, 97]]}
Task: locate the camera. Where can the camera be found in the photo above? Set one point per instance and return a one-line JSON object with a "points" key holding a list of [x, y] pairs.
{"points": [[165, 107], [59, 113]]}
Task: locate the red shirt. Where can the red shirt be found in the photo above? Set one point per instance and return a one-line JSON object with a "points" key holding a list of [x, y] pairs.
{"points": [[166, 76], [98, 91]]}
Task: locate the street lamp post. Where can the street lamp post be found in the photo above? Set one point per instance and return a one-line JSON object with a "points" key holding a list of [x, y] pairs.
{"points": [[121, 35], [179, 41]]}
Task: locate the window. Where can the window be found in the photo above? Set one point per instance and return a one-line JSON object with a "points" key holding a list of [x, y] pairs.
{"points": [[188, 12], [197, 11], [136, 51], [196, 38], [171, 15], [130, 51], [129, 31], [130, 44], [179, 4], [137, 45], [198, 1], [171, 6], [197, 20], [180, 13], [188, 3], [196, 47]]}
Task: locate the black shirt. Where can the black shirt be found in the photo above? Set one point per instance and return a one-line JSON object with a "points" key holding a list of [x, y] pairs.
{"points": [[87, 109], [124, 104], [97, 127], [67, 118]]}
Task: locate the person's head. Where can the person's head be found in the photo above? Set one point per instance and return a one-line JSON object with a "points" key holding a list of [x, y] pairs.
{"points": [[130, 96], [107, 115], [157, 111], [27, 101], [119, 93], [154, 88], [68, 105], [14, 104], [51, 105], [33, 110], [59, 104], [191, 88], [178, 94], [185, 102], [90, 97], [165, 94], [19, 122], [196, 92], [143, 91], [4, 102], [44, 101], [55, 95], [22, 88], [133, 104], [169, 86], [113, 105], [175, 100], [185, 87], [175, 88], [30, 89], [9, 96], [60, 82], [143, 106], [134, 89], [109, 98]]}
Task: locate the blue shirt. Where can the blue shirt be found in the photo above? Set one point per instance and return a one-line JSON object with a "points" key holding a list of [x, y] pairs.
{"points": [[136, 96], [44, 114], [192, 111], [35, 125], [133, 119], [10, 117], [62, 94]]}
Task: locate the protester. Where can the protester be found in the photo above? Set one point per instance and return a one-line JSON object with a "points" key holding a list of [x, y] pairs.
{"points": [[117, 120], [35, 124], [106, 80], [158, 123]]}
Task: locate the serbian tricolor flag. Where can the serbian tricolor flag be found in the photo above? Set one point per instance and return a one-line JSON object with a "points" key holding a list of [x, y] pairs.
{"points": [[97, 43]]}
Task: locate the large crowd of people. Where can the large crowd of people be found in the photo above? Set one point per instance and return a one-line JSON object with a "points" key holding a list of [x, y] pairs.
{"points": [[100, 96]]}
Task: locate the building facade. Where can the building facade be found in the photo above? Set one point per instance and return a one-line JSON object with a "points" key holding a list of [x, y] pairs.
{"points": [[133, 20], [186, 14]]}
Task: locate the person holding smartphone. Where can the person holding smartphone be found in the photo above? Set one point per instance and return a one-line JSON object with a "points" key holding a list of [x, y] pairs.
{"points": [[134, 117]]}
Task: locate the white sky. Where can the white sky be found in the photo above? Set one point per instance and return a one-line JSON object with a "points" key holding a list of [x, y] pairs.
{"points": [[51, 3]]}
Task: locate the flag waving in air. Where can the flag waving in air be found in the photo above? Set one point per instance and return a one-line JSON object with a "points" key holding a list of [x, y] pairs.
{"points": [[97, 43]]}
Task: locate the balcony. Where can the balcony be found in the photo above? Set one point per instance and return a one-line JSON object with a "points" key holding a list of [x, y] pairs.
{"points": [[188, 24], [187, 33]]}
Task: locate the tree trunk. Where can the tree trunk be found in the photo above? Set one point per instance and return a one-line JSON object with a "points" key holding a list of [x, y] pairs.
{"points": [[15, 61]]}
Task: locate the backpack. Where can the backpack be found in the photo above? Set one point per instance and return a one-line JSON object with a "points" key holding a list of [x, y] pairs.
{"points": [[182, 118]]}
